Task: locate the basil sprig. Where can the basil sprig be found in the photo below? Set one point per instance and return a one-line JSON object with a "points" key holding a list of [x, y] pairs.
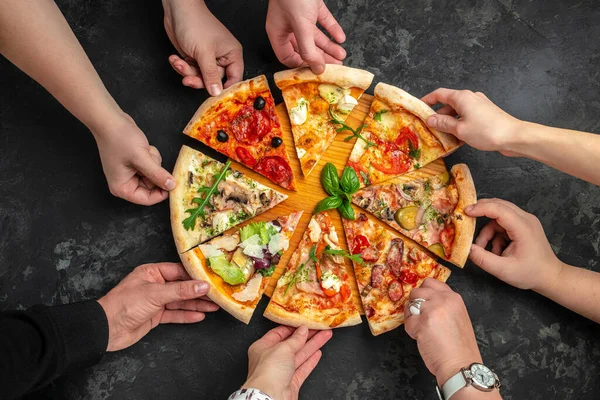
{"points": [[340, 190]]}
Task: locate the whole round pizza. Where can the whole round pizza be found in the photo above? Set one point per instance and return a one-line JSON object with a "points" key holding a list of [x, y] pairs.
{"points": [[349, 223]]}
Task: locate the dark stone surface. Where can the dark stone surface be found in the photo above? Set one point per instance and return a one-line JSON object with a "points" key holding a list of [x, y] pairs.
{"points": [[65, 238]]}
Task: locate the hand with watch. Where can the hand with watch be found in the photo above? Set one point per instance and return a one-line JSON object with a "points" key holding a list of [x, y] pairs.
{"points": [[438, 320]]}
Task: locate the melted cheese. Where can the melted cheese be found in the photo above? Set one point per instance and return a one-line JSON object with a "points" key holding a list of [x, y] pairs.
{"points": [[330, 281], [347, 104], [251, 291], [299, 113], [315, 230]]}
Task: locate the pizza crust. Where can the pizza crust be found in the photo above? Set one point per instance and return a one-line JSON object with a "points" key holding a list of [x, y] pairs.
{"points": [[465, 226], [278, 314], [340, 75], [184, 239], [255, 84], [196, 268], [396, 96]]}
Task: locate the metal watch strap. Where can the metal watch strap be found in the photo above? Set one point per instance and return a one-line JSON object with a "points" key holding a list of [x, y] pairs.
{"points": [[452, 385]]}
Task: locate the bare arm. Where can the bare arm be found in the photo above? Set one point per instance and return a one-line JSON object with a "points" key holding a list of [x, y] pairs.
{"points": [[35, 37], [484, 126]]}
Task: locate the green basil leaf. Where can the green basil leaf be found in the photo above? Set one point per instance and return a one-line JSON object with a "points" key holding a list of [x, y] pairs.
{"points": [[328, 203], [349, 182], [330, 180], [346, 210]]}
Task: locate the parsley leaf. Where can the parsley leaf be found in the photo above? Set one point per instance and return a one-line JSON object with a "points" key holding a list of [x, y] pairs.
{"points": [[357, 258], [293, 280], [355, 132], [190, 222], [377, 116], [414, 153]]}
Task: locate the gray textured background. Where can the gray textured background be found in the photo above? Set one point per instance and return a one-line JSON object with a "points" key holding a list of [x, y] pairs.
{"points": [[64, 238]]}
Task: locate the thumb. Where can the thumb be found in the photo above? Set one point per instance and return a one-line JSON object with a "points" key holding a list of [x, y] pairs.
{"points": [[444, 123], [312, 56], [210, 73], [486, 260], [298, 339], [148, 165], [180, 290]]}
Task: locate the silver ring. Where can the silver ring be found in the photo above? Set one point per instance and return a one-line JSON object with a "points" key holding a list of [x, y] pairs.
{"points": [[414, 307]]}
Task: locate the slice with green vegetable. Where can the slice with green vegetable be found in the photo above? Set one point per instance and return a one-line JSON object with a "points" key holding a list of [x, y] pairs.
{"points": [[226, 270]]}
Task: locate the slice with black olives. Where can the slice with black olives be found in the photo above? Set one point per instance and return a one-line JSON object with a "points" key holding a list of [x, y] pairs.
{"points": [[276, 142], [222, 136], [259, 103]]}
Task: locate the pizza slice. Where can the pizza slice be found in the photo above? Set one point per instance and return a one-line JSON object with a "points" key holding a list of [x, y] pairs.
{"points": [[238, 266], [242, 123], [397, 138], [391, 269], [314, 101], [428, 210], [315, 290], [210, 198]]}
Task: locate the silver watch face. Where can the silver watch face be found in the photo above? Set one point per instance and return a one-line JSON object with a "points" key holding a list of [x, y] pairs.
{"points": [[482, 375]]}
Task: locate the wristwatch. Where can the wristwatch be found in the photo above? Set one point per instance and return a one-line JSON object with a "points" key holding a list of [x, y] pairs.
{"points": [[477, 375]]}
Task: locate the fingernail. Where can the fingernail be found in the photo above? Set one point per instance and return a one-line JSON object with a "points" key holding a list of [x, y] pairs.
{"points": [[214, 90], [179, 67], [170, 184], [468, 208], [432, 121], [201, 287], [303, 330]]}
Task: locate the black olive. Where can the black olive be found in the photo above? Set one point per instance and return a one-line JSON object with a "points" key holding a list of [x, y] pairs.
{"points": [[222, 136], [276, 142], [259, 103]]}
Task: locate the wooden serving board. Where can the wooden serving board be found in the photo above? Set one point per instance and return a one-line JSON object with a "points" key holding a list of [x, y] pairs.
{"points": [[310, 191]]}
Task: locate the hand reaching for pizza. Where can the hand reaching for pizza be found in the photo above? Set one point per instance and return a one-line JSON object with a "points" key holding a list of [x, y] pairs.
{"points": [[443, 330], [520, 253], [153, 294], [132, 167], [280, 361], [480, 123], [208, 49], [296, 38]]}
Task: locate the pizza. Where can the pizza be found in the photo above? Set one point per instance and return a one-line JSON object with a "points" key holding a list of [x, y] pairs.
{"points": [[315, 290], [242, 124], [429, 210], [392, 269], [399, 140], [314, 101], [238, 266], [197, 215]]}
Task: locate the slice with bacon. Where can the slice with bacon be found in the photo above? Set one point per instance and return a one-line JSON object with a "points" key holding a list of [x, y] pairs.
{"points": [[428, 210], [401, 141], [391, 269], [315, 290]]}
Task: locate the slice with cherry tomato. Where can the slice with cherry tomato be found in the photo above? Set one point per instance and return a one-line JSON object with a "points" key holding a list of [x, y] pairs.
{"points": [[447, 239], [409, 277], [405, 136], [360, 243], [390, 160]]}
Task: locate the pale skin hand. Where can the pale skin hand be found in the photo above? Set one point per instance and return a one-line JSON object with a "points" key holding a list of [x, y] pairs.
{"points": [[522, 257], [484, 126], [59, 63], [444, 335], [296, 38], [153, 294], [280, 361], [207, 50]]}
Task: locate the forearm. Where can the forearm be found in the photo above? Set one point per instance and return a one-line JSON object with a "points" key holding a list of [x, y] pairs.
{"points": [[572, 152], [42, 343], [36, 38], [577, 289]]}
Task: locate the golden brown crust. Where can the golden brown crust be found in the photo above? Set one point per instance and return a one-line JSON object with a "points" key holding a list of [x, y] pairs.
{"points": [[259, 83], [196, 268], [340, 75], [278, 314], [464, 225], [394, 95], [184, 239]]}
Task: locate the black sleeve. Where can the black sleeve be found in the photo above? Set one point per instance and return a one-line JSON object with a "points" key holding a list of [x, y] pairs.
{"points": [[42, 343]]}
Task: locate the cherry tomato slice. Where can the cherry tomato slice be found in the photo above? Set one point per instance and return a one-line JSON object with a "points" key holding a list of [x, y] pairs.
{"points": [[360, 243], [345, 292], [250, 125], [409, 277], [447, 239], [404, 137], [391, 159], [276, 169], [245, 156]]}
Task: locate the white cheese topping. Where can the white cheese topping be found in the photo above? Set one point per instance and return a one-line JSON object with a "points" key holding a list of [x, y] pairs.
{"points": [[347, 104], [315, 230], [301, 152], [330, 281], [299, 113], [254, 250], [210, 251], [220, 222], [278, 242], [250, 292], [332, 93]]}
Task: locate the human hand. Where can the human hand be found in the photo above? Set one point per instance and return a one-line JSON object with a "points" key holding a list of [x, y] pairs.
{"points": [[132, 167], [208, 49], [443, 330], [280, 361], [480, 123], [520, 255], [153, 294], [296, 39]]}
